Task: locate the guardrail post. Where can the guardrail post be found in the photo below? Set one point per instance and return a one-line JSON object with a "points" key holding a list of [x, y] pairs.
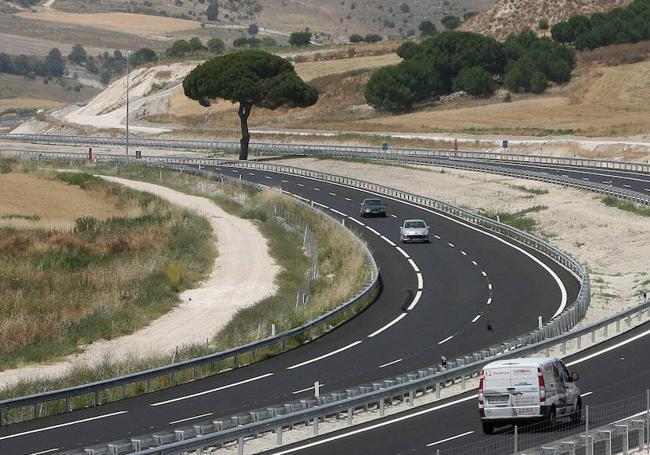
{"points": [[411, 398], [316, 426], [516, 451], [278, 436], [350, 412], [647, 418], [96, 402], [579, 342], [240, 446], [382, 406]]}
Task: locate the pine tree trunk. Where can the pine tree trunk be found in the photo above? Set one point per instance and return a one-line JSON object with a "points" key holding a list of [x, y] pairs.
{"points": [[244, 112]]}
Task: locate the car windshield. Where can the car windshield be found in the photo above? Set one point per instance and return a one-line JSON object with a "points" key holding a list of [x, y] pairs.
{"points": [[372, 202], [415, 224]]}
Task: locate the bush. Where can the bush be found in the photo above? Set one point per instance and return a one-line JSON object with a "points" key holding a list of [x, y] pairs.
{"points": [[475, 81], [538, 82], [408, 49], [196, 44], [356, 38], [373, 38], [450, 22], [300, 38], [427, 28], [143, 55], [179, 49], [269, 42], [542, 24], [216, 45]]}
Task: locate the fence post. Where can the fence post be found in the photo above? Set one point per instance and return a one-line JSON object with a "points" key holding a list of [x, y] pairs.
{"points": [[647, 417], [516, 434], [240, 446], [589, 452]]}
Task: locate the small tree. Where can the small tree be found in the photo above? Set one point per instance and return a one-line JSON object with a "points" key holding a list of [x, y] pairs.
{"points": [[143, 55], [54, 66], [196, 44], [267, 41], [373, 38], [408, 49], [538, 82], [250, 78], [212, 12], [427, 28], [240, 42], [78, 54], [450, 22], [253, 30], [356, 38], [179, 49], [216, 45], [475, 81], [300, 38], [543, 24]]}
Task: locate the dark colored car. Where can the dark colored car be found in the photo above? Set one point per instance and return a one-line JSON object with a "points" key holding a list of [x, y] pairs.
{"points": [[373, 207]]}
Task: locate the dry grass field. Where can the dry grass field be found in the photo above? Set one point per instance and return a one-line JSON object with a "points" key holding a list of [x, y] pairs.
{"points": [[125, 22], [36, 94], [28, 103]]}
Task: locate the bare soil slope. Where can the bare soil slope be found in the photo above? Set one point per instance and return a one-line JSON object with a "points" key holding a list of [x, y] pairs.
{"points": [[508, 16]]}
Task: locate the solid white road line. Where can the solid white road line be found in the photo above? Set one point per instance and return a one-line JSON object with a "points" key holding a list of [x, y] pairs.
{"points": [[387, 240], [337, 212], [476, 318], [356, 221], [586, 394], [387, 326], [324, 356], [374, 427], [610, 348], [205, 392], [414, 265], [174, 422], [415, 301], [449, 439], [445, 340], [44, 451], [420, 281], [390, 363], [305, 390], [404, 253], [61, 425], [373, 230]]}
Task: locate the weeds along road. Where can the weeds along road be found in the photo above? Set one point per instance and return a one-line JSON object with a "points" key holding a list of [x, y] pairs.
{"points": [[437, 300], [615, 370]]}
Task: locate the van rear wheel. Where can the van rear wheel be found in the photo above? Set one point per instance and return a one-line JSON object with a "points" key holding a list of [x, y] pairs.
{"points": [[488, 428]]}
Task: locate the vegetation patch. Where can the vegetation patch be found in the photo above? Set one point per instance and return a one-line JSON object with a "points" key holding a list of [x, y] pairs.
{"points": [[518, 220], [99, 279], [532, 191], [627, 206]]}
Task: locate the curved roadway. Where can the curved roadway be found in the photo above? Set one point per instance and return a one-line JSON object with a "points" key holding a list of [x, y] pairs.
{"points": [[437, 300]]}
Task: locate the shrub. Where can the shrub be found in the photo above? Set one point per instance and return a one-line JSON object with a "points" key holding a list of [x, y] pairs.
{"points": [[373, 38], [356, 38], [542, 24], [216, 45], [300, 38], [174, 275], [475, 81]]}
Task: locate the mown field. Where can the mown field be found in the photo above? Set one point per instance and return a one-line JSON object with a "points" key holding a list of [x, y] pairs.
{"points": [[82, 259]]}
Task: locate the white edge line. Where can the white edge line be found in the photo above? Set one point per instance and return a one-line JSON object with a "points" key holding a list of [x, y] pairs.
{"points": [[404, 253], [44, 451], [478, 316], [61, 425], [205, 392], [467, 433], [337, 212], [420, 281], [356, 221], [387, 326], [378, 425], [415, 301], [374, 231], [414, 265], [586, 394], [321, 205], [446, 339], [190, 418], [610, 348], [307, 362], [305, 390], [390, 363], [387, 240]]}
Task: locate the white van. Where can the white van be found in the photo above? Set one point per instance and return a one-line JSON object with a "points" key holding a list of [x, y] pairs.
{"points": [[521, 391]]}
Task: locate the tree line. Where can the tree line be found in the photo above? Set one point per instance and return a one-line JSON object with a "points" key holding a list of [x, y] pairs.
{"points": [[452, 61], [621, 25]]}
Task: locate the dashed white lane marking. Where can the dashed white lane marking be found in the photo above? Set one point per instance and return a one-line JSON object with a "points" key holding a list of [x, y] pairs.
{"points": [[415, 301], [489, 301], [627, 186], [565, 175], [420, 281], [332, 194], [647, 189], [404, 253], [285, 181], [451, 438], [474, 262], [390, 363], [61, 425], [445, 340], [45, 451], [337, 212], [490, 286], [585, 178], [324, 356], [450, 244], [300, 184], [586, 394], [478, 316], [305, 390], [348, 199], [463, 253], [267, 177], [606, 181], [174, 422], [387, 326], [378, 425], [437, 237], [316, 189], [217, 389], [414, 265], [251, 173], [395, 216], [356, 221], [373, 230], [387, 240], [483, 273]]}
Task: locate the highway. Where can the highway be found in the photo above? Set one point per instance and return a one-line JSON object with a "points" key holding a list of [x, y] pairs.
{"points": [[438, 299], [614, 374]]}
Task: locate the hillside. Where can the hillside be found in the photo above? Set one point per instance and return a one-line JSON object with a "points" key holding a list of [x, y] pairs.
{"points": [[508, 16]]}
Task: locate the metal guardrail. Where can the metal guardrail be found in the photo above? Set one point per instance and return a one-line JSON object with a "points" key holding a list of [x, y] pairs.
{"points": [[189, 370], [279, 148]]}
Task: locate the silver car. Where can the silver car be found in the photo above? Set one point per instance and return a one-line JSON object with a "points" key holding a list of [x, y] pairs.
{"points": [[414, 231]]}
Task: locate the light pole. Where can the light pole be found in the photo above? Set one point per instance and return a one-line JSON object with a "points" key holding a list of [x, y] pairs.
{"points": [[128, 59]]}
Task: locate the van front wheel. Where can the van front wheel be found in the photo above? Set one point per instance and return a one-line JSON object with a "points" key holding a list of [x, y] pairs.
{"points": [[488, 428]]}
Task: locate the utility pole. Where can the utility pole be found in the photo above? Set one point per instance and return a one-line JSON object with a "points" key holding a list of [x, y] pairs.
{"points": [[128, 61]]}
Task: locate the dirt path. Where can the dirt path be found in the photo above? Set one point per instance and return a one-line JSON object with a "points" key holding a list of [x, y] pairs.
{"points": [[244, 273], [614, 244]]}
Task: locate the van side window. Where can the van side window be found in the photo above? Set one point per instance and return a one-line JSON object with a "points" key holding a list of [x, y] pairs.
{"points": [[564, 372], [556, 374]]}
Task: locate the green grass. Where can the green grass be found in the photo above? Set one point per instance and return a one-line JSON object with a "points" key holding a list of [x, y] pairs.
{"points": [[519, 219], [533, 191], [626, 206]]}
